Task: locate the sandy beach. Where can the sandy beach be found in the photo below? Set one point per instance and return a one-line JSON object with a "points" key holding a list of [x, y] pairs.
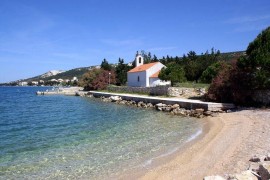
{"points": [[225, 147]]}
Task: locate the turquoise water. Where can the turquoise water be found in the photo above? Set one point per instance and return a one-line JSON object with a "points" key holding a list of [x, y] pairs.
{"points": [[60, 137]]}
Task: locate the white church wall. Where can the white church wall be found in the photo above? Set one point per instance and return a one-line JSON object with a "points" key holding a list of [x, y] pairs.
{"points": [[133, 79], [149, 72], [153, 82]]}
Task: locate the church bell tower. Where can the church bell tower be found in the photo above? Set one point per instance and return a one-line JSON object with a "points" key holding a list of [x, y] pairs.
{"points": [[139, 59]]}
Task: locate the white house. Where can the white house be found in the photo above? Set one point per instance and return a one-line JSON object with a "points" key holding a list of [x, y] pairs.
{"points": [[23, 83], [145, 75]]}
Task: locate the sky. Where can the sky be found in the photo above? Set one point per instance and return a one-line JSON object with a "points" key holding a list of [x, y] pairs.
{"points": [[37, 36]]}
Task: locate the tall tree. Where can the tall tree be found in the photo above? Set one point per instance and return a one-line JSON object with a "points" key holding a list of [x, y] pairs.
{"points": [[174, 73], [121, 72], [105, 65], [155, 59]]}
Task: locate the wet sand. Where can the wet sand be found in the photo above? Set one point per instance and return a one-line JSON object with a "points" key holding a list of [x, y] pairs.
{"points": [[226, 145]]}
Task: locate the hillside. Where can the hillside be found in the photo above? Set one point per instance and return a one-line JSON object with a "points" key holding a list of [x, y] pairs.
{"points": [[78, 72]]}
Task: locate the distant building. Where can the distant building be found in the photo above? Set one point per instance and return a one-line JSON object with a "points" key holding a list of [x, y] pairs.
{"points": [[23, 83], [34, 83], [53, 80], [74, 79], [60, 80], [145, 75], [129, 64]]}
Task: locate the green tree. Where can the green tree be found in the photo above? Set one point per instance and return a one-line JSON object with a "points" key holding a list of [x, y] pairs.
{"points": [[256, 64], [121, 72], [212, 71], [105, 65], [173, 73], [252, 72], [155, 59], [146, 56]]}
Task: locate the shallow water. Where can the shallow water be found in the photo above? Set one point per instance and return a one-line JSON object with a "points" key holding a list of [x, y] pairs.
{"points": [[60, 137]]}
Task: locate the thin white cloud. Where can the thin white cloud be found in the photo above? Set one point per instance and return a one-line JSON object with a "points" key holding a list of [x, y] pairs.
{"points": [[162, 48], [247, 19], [66, 55], [126, 42], [250, 27]]}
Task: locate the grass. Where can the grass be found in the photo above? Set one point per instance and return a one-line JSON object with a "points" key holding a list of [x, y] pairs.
{"points": [[192, 85]]}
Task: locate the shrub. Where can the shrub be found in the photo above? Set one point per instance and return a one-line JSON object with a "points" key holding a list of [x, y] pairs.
{"points": [[97, 79], [238, 83], [212, 71]]}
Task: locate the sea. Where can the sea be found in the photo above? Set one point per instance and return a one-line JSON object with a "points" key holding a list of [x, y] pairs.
{"points": [[69, 137]]}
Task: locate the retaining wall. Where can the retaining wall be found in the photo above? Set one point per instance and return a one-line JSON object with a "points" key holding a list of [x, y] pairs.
{"points": [[155, 91], [185, 103]]}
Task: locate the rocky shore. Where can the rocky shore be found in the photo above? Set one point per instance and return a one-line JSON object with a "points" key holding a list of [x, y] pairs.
{"points": [[174, 109], [259, 169]]}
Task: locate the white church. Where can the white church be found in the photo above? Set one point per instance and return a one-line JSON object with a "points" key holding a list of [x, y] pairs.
{"points": [[145, 75]]}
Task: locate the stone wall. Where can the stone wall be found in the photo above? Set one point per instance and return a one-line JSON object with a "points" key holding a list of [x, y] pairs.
{"points": [[179, 91], [262, 97], [158, 90], [155, 91]]}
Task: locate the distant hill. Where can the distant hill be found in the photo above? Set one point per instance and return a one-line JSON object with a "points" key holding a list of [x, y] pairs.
{"points": [[78, 72], [51, 73], [230, 56]]}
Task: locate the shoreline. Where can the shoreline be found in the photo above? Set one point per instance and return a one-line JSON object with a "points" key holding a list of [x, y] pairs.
{"points": [[224, 147], [169, 156]]}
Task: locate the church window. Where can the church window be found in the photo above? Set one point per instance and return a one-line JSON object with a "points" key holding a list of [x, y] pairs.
{"points": [[138, 78], [140, 59]]}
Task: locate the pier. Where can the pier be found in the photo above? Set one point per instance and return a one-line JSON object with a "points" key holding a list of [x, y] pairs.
{"points": [[69, 91], [185, 103]]}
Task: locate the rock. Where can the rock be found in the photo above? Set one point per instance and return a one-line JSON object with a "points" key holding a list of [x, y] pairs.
{"points": [[264, 171], [228, 111], [254, 159], [199, 111], [149, 105], [175, 106], [159, 105], [214, 114], [207, 113], [188, 112], [167, 109], [267, 158], [123, 102], [201, 116], [245, 175], [141, 104], [254, 167], [214, 178], [133, 102], [115, 98]]}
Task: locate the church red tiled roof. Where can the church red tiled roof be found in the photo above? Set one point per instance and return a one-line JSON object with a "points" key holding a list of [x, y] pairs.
{"points": [[143, 67]]}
